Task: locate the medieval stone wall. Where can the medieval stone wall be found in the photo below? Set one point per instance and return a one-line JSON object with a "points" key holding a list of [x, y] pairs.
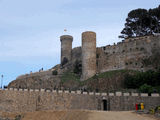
{"points": [[128, 54], [23, 100]]}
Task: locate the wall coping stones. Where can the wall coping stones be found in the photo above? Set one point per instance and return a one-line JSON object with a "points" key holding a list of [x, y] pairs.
{"points": [[15, 89], [66, 91], [20, 89], [97, 94], [42, 90], [73, 92], [31, 90], [104, 94], [126, 94], [155, 95], [10, 88], [91, 93], [85, 93], [144, 94], [36, 90], [111, 94], [118, 93], [60, 91], [78, 92], [134, 94], [25, 89], [54, 91], [48, 90]]}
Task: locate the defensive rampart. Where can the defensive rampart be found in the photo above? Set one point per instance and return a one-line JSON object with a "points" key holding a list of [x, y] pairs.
{"points": [[14, 100]]}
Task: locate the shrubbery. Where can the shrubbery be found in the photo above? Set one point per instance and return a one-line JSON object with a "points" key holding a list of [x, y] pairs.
{"points": [[77, 67], [144, 81], [54, 72]]}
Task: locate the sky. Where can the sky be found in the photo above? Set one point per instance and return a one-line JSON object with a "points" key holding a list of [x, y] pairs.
{"points": [[30, 29]]}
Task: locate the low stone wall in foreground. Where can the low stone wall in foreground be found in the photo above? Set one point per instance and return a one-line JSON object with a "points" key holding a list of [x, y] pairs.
{"points": [[24, 100]]}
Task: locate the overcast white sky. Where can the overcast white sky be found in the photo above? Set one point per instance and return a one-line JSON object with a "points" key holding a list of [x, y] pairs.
{"points": [[30, 29]]}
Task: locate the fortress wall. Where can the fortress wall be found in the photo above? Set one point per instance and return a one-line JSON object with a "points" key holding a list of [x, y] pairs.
{"points": [[76, 54], [14, 100], [41, 73], [127, 54]]}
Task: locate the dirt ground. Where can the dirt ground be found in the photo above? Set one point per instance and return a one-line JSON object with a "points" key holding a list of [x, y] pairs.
{"points": [[79, 115]]}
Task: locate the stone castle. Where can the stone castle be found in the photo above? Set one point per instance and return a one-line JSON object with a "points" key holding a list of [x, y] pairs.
{"points": [[28, 92], [131, 53], [139, 53]]}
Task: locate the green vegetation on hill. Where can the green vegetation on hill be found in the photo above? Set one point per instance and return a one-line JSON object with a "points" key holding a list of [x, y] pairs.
{"points": [[70, 80], [107, 81], [147, 82], [69, 76], [124, 80]]}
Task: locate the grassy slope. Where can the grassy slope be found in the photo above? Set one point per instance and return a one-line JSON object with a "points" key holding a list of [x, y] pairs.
{"points": [[106, 81]]}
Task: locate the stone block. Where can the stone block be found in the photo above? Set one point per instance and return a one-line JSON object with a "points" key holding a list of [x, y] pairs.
{"points": [[78, 92], [144, 94], [91, 93], [73, 92], [126, 94], [134, 94], [60, 91], [15, 89], [6, 89], [20, 89], [48, 90], [10, 88], [118, 93], [104, 94], [25, 89], [42, 90], [54, 91], [97, 94], [111, 94], [31, 90], [155, 95], [36, 90], [66, 91], [85, 93]]}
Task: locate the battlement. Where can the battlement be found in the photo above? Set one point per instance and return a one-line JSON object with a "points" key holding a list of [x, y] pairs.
{"points": [[118, 93], [146, 39], [66, 37], [21, 100]]}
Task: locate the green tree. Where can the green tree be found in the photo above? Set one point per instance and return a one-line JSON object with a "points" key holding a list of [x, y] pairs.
{"points": [[141, 22]]}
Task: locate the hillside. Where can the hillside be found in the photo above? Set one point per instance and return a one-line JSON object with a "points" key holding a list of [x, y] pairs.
{"points": [[106, 81]]}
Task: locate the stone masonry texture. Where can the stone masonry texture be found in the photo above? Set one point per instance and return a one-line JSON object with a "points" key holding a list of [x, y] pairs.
{"points": [[88, 54], [66, 47], [24, 101]]}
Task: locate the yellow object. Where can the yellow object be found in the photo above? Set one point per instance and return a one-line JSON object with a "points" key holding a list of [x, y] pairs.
{"points": [[152, 111], [142, 106]]}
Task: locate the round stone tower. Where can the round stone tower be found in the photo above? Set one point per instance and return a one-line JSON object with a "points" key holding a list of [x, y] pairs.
{"points": [[66, 49], [88, 54]]}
